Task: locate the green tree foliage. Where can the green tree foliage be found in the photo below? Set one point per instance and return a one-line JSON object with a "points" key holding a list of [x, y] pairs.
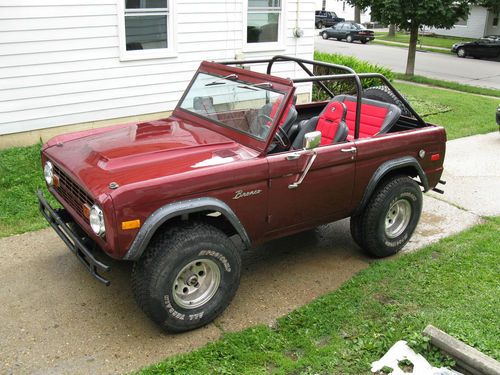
{"points": [[411, 15]]}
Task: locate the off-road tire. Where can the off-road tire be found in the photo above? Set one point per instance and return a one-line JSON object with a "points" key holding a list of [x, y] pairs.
{"points": [[154, 275], [324, 35], [384, 94], [355, 226], [371, 228]]}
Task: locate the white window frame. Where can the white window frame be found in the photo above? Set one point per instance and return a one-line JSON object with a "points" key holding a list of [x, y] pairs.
{"points": [[144, 54], [265, 46]]}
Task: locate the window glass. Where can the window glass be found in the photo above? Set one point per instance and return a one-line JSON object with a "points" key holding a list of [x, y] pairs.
{"points": [[146, 32], [146, 23], [134, 4], [228, 102], [263, 21]]}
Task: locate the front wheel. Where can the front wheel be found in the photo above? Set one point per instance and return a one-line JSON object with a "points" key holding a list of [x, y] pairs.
{"points": [[390, 218], [349, 39], [319, 25], [461, 52], [324, 35], [187, 277]]}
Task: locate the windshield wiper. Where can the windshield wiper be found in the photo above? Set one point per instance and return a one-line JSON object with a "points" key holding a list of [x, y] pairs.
{"points": [[253, 85], [220, 82]]}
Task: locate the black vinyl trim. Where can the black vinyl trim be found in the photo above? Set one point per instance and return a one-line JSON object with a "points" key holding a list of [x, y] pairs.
{"points": [[171, 210], [384, 169]]}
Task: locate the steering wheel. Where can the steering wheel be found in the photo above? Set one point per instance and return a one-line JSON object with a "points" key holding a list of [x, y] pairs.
{"points": [[282, 138], [260, 126]]}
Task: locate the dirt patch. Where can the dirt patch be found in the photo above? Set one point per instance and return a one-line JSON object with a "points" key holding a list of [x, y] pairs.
{"points": [[56, 319]]}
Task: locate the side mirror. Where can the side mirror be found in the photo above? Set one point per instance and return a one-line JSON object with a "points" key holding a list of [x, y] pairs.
{"points": [[312, 140]]}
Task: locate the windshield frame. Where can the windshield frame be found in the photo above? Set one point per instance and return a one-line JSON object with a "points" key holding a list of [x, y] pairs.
{"points": [[280, 85]]}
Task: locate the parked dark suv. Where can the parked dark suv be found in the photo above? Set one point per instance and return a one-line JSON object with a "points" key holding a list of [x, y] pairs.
{"points": [[325, 18]]}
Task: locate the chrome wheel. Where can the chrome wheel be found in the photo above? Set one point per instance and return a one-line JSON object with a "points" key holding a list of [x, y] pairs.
{"points": [[397, 218], [196, 283], [461, 52]]}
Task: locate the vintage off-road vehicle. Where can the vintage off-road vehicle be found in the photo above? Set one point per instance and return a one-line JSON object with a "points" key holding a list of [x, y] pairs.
{"points": [[238, 157]]}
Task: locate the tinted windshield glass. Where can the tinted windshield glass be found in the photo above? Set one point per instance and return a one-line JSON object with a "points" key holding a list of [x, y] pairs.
{"points": [[226, 101]]}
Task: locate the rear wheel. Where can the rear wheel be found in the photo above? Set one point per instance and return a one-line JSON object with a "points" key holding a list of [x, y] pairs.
{"points": [[324, 35], [364, 41], [187, 277], [390, 218], [461, 52]]}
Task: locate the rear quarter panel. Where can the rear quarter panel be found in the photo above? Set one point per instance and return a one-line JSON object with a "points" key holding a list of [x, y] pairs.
{"points": [[373, 152]]}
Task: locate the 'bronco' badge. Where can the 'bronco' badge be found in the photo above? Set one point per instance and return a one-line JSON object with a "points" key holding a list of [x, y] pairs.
{"points": [[243, 194]]}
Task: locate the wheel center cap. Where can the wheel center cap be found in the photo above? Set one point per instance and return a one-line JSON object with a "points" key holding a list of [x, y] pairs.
{"points": [[193, 280]]}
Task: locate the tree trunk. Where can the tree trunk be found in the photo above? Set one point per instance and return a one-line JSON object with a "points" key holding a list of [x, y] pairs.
{"points": [[412, 49], [392, 30], [357, 14]]}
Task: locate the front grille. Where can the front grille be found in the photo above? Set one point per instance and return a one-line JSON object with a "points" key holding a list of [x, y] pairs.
{"points": [[73, 194]]}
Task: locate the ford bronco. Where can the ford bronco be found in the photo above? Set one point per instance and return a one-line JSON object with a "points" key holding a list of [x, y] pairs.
{"points": [[238, 157]]}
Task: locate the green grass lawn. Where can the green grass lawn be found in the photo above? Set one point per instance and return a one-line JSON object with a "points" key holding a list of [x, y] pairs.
{"points": [[431, 41], [448, 85], [419, 48], [460, 113], [20, 177], [452, 285]]}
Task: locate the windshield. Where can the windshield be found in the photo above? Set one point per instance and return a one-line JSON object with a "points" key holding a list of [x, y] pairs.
{"points": [[242, 106]]}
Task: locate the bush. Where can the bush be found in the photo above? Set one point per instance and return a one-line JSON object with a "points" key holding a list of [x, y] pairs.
{"points": [[346, 87]]}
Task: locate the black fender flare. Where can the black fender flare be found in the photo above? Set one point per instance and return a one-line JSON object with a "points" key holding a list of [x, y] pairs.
{"points": [[384, 169], [175, 209]]}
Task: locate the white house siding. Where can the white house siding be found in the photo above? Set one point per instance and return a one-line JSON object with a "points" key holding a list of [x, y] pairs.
{"points": [[475, 27], [60, 65], [492, 29]]}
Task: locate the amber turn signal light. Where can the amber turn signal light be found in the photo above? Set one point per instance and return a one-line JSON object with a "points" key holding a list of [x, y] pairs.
{"points": [[131, 224], [55, 181], [86, 210]]}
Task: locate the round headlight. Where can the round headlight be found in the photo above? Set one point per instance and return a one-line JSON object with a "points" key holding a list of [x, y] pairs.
{"points": [[48, 173], [96, 219]]}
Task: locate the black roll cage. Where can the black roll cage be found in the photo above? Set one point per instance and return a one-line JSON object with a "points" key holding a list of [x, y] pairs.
{"points": [[350, 74]]}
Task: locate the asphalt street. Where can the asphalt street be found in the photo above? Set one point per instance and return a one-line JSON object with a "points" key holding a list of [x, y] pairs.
{"points": [[485, 73]]}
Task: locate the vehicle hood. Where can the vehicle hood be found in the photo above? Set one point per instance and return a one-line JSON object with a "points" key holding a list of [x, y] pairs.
{"points": [[130, 153]]}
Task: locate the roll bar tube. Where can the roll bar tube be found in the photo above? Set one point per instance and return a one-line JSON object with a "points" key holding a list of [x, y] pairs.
{"points": [[350, 74]]}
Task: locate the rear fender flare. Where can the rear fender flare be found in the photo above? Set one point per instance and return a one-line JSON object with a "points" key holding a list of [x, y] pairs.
{"points": [[176, 209], [389, 167]]}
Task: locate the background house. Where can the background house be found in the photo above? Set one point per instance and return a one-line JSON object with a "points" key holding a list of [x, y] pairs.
{"points": [[88, 63], [342, 9], [479, 23]]}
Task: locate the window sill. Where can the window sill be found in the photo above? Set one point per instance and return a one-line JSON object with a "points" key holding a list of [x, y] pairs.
{"points": [[147, 54], [263, 47]]}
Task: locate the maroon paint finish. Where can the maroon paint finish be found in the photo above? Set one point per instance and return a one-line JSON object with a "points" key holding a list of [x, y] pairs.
{"points": [[186, 156]]}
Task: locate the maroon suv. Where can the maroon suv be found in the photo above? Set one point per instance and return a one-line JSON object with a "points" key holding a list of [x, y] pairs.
{"points": [[238, 157]]}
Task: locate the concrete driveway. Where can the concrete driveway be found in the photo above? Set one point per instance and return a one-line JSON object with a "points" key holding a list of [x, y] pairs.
{"points": [[475, 72], [55, 319]]}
